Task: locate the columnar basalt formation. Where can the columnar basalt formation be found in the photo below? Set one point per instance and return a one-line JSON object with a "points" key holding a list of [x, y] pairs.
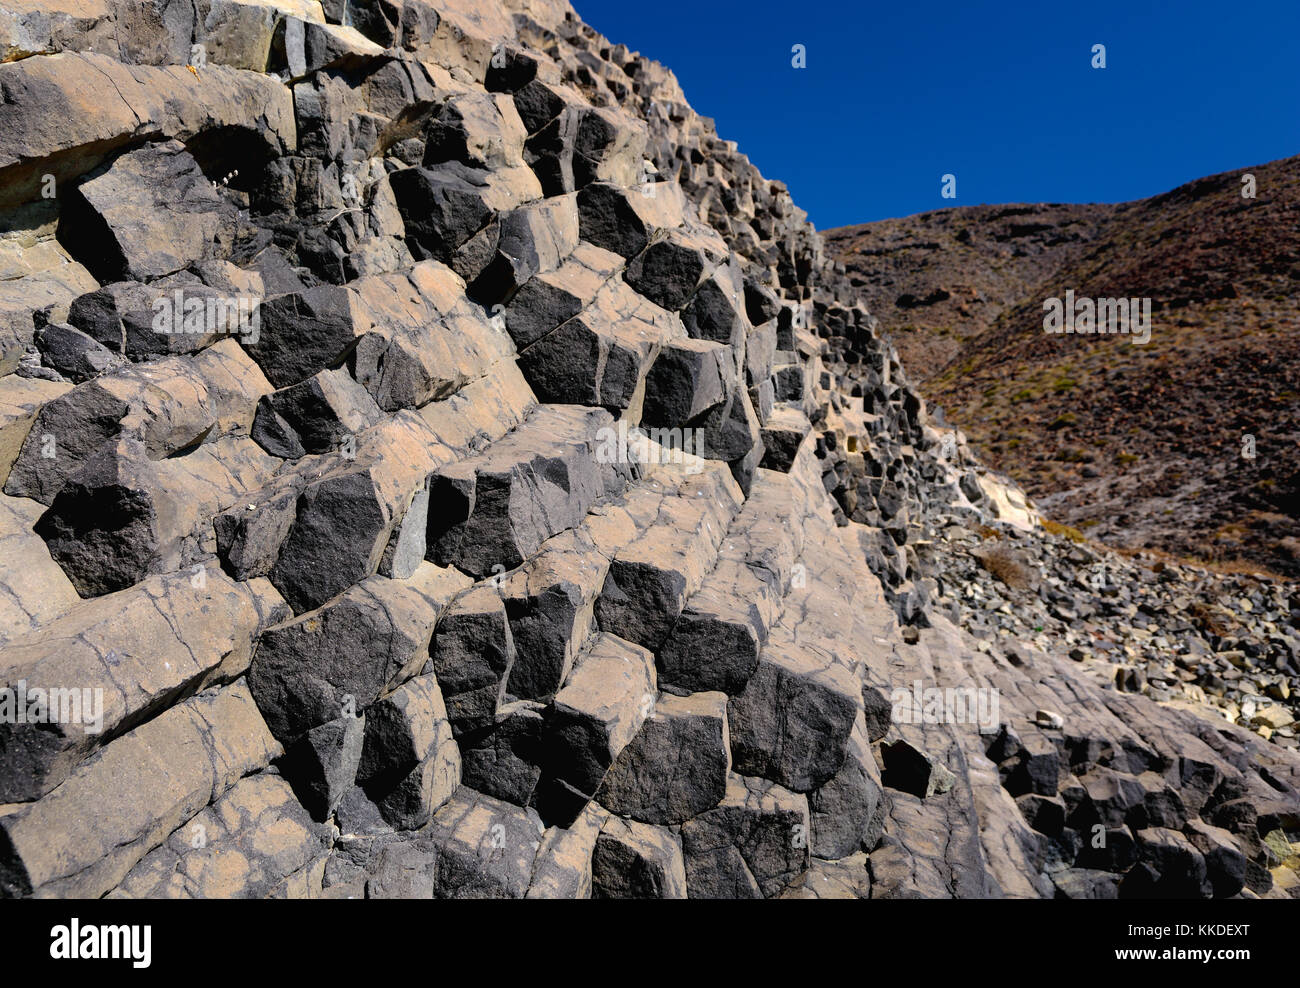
{"points": [[556, 524]]}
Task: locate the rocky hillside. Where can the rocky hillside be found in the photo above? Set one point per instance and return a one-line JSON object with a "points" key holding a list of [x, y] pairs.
{"points": [[435, 463], [1137, 445]]}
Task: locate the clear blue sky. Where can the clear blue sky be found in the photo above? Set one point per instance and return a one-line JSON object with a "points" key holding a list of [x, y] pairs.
{"points": [[1000, 94]]}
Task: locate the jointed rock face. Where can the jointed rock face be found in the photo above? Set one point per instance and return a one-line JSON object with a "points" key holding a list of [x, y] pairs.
{"points": [[325, 336]]}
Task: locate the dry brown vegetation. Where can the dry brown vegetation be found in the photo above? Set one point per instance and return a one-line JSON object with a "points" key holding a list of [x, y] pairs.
{"points": [[1004, 565]]}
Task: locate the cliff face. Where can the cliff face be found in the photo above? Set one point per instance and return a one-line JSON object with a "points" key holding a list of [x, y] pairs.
{"points": [[441, 465]]}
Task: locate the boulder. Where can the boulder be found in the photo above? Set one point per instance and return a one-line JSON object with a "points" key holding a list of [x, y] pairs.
{"points": [[752, 845], [551, 298], [530, 239], [485, 848], [504, 759], [497, 508], [549, 603], [676, 766], [476, 129], [563, 866], [793, 720], [472, 652], [410, 764], [624, 220], [313, 416], [651, 578], [593, 717], [686, 380], [637, 861], [672, 268], [21, 398], [312, 669], [841, 809], [305, 332], [122, 516], [602, 355], [150, 213], [443, 207], [162, 409], [73, 354]]}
